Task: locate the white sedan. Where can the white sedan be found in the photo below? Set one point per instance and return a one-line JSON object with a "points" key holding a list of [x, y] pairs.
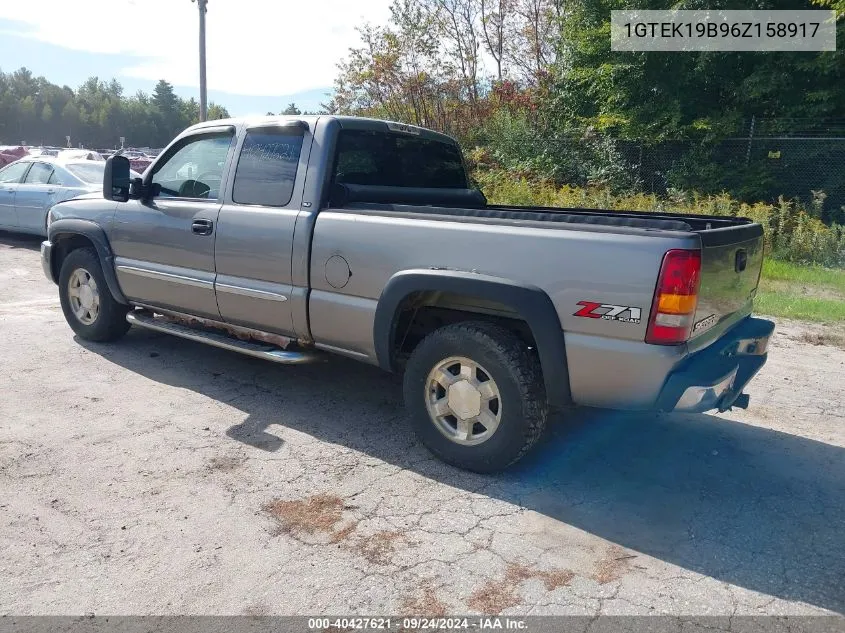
{"points": [[33, 184]]}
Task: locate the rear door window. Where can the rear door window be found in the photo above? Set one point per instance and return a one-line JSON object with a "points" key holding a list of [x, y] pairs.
{"points": [[267, 166], [397, 160], [39, 174]]}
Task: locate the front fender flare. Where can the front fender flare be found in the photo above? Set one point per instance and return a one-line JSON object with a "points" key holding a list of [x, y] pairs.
{"points": [[531, 303], [69, 227]]}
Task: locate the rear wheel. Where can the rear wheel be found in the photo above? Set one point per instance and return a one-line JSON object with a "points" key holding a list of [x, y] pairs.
{"points": [[88, 306], [476, 396]]}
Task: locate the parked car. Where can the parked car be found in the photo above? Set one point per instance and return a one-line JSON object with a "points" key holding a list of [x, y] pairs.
{"points": [[43, 151], [287, 238], [140, 164], [79, 154], [11, 153], [29, 186], [137, 160]]}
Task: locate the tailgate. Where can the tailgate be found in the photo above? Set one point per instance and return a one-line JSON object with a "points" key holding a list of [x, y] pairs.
{"points": [[731, 261]]}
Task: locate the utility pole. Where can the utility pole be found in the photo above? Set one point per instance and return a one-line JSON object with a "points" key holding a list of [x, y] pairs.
{"points": [[202, 4]]}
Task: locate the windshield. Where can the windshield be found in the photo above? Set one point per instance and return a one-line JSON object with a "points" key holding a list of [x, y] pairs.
{"points": [[91, 172]]}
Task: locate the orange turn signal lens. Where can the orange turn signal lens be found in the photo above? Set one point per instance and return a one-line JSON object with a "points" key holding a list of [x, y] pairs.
{"points": [[676, 304]]}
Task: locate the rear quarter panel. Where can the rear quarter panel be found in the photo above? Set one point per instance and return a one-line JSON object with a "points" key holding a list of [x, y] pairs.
{"points": [[609, 363]]}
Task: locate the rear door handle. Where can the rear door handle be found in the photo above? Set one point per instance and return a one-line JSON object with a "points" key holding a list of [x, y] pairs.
{"points": [[202, 227]]}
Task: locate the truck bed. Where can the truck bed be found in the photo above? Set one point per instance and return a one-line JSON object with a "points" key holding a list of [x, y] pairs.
{"points": [[728, 285], [466, 204]]}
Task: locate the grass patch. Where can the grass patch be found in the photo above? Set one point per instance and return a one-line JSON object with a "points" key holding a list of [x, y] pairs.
{"points": [[831, 278], [795, 306], [809, 293]]}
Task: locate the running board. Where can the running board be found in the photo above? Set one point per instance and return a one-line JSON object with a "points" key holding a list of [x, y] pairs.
{"points": [[267, 352]]}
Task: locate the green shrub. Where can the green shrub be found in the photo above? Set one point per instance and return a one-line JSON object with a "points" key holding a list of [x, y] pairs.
{"points": [[793, 232], [517, 145]]}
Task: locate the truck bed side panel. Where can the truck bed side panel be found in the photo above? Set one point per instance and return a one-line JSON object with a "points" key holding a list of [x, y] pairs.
{"points": [[606, 267]]}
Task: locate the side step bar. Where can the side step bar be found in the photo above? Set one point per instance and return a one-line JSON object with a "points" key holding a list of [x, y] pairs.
{"points": [[267, 352]]}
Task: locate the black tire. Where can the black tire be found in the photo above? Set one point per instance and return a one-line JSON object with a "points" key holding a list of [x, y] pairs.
{"points": [[110, 322], [517, 374]]}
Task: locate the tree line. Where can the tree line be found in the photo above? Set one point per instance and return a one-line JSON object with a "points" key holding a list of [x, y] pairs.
{"points": [[530, 87], [533, 87], [38, 112], [34, 111], [550, 61]]}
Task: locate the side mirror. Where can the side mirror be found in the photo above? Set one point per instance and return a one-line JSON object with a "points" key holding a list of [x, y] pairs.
{"points": [[116, 179]]}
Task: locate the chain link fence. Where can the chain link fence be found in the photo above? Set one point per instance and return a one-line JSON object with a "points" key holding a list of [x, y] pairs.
{"points": [[760, 161], [773, 158]]}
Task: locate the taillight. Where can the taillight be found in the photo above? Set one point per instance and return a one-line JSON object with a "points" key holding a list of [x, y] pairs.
{"points": [[675, 298]]}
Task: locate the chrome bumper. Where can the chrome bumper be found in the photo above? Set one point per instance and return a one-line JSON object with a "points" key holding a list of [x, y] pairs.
{"points": [[47, 259], [705, 397], [715, 377]]}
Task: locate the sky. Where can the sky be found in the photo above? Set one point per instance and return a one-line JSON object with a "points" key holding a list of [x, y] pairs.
{"points": [[262, 54]]}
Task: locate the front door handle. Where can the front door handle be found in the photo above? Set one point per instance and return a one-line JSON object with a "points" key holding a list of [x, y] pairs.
{"points": [[202, 227]]}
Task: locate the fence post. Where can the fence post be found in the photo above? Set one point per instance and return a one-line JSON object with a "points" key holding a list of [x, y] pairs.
{"points": [[640, 166], [750, 139]]}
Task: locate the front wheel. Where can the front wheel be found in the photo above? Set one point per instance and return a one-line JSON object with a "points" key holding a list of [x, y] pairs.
{"points": [[475, 394], [87, 303]]}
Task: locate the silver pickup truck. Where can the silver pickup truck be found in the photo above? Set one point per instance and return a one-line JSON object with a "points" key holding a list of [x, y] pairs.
{"points": [[289, 237]]}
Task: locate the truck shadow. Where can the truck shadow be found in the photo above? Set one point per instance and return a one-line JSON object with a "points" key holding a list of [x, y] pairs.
{"points": [[21, 240], [746, 505]]}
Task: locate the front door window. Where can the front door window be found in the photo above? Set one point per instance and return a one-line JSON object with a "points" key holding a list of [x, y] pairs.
{"points": [[195, 168]]}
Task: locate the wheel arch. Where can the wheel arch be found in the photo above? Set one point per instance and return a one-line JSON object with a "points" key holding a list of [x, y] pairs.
{"points": [[530, 303], [67, 235]]}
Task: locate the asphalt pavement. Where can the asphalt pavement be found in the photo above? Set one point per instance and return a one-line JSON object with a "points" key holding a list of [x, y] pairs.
{"points": [[157, 475]]}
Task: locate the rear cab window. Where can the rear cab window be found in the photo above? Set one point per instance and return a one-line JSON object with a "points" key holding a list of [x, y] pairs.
{"points": [[267, 165], [397, 160]]}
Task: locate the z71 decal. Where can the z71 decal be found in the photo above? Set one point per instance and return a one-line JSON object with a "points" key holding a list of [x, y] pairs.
{"points": [[609, 312]]}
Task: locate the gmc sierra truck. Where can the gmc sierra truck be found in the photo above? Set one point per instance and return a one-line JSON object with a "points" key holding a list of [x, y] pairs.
{"points": [[287, 238]]}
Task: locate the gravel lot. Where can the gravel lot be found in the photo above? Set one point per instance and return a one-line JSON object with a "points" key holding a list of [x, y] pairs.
{"points": [[157, 475]]}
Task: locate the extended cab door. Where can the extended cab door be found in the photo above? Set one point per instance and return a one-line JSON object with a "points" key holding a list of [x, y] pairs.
{"points": [[256, 224], [164, 246]]}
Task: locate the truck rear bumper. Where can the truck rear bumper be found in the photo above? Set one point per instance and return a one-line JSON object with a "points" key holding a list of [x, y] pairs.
{"points": [[715, 377]]}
